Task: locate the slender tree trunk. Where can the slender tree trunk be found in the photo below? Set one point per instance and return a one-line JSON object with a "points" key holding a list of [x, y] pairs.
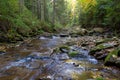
{"points": [[21, 6], [53, 19], [39, 9], [33, 6], [42, 11], [45, 13]]}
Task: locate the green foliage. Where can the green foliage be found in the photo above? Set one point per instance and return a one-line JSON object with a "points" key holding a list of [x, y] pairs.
{"points": [[103, 41], [100, 47], [12, 35], [46, 26], [99, 78], [16, 24], [114, 52], [104, 13]]}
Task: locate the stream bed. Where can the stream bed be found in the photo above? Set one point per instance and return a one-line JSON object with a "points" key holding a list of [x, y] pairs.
{"points": [[34, 60]]}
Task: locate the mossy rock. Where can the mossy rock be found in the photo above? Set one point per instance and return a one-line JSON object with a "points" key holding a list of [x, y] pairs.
{"points": [[83, 76], [102, 41], [73, 53], [96, 30], [112, 55], [99, 78], [64, 48], [118, 62], [113, 58], [3, 49], [97, 48], [99, 30], [79, 32], [101, 47], [118, 53], [70, 43], [82, 32], [56, 50]]}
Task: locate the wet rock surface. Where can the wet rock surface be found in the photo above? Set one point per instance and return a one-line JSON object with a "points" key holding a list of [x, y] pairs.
{"points": [[49, 58]]}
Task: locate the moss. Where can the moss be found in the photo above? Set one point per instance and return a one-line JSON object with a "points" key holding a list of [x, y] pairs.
{"points": [[73, 53], [65, 47], [99, 78], [114, 52], [102, 41], [56, 50], [97, 48], [84, 76], [100, 47]]}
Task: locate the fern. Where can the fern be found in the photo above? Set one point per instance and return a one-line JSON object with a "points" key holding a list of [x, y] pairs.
{"points": [[114, 52]]}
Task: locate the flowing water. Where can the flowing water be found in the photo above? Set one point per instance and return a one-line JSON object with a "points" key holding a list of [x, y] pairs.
{"points": [[33, 61]]}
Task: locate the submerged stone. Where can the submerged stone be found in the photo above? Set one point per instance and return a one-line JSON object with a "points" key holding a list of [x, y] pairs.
{"points": [[62, 56], [2, 52], [64, 35]]}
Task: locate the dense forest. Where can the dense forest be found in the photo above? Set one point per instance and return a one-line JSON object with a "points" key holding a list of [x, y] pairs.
{"points": [[20, 18], [59, 39]]}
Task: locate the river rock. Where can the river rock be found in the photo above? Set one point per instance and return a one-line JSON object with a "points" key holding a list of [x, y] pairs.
{"points": [[64, 49], [2, 52], [102, 46], [77, 32], [82, 32], [102, 41], [110, 62], [119, 53], [70, 43], [44, 78], [73, 53], [118, 62], [64, 56], [84, 44], [64, 35], [97, 54], [113, 61], [98, 30], [34, 65], [73, 35], [102, 57]]}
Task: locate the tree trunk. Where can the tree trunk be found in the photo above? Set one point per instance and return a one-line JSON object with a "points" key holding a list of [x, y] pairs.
{"points": [[21, 6], [53, 19], [42, 10], [39, 9], [33, 6]]}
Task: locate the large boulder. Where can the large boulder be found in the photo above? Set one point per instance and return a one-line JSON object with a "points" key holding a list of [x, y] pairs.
{"points": [[99, 30], [78, 31], [102, 46], [2, 50], [96, 30]]}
